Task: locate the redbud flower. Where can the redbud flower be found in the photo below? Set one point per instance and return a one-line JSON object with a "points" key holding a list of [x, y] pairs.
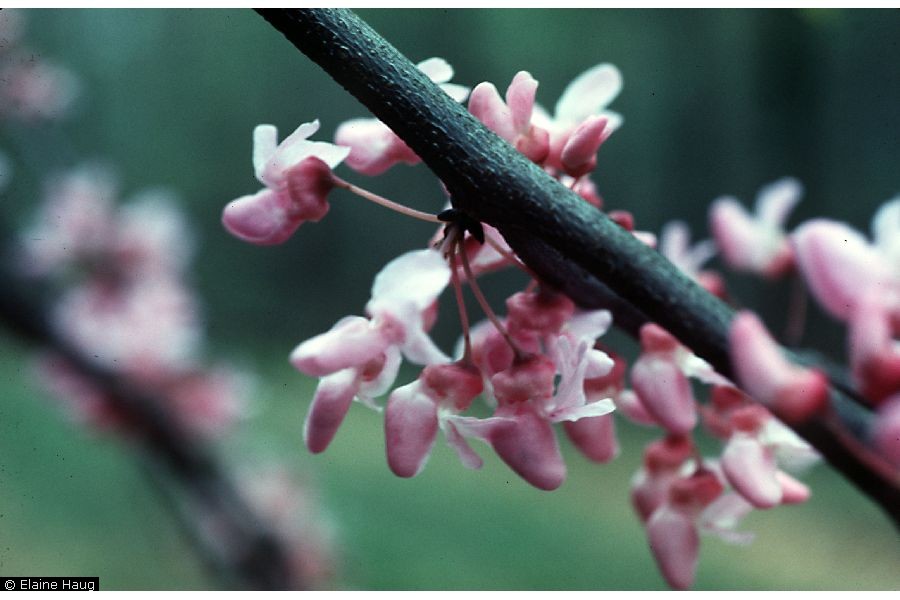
{"points": [[792, 392], [757, 243], [582, 103], [512, 120], [660, 379], [374, 147], [358, 358], [675, 244], [297, 175]]}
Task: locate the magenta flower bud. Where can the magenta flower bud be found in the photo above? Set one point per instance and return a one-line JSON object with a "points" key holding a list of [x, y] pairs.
{"points": [[530, 379]]}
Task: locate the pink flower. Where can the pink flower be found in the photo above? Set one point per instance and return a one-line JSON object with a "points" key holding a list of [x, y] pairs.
{"points": [[580, 122], [660, 379], [792, 392], [512, 120], [757, 243], [297, 175], [358, 358], [374, 148], [35, 88], [416, 411], [675, 244]]}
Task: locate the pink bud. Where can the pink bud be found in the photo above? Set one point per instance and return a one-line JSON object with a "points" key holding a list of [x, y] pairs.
{"points": [[374, 148], [410, 429], [352, 342], [328, 409], [579, 154], [874, 356], [792, 392], [750, 468], [527, 444], [595, 437], [675, 544], [792, 491], [263, 218], [665, 392]]}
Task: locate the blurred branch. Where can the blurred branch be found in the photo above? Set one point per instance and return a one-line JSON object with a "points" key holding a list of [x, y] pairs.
{"points": [[565, 240], [231, 538]]}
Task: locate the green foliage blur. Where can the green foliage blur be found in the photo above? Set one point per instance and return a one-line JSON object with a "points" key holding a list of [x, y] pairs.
{"points": [[715, 102]]}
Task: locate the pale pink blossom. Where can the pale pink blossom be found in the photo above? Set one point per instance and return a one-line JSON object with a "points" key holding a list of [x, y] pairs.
{"points": [[511, 120], [374, 148], [757, 243], [660, 379], [35, 88], [359, 357], [792, 392], [675, 244], [298, 176], [582, 104], [841, 266]]}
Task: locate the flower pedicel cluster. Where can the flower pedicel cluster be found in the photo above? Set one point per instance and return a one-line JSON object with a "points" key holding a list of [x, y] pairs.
{"points": [[541, 363]]}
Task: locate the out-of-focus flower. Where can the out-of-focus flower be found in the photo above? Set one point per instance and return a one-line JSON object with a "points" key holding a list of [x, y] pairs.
{"points": [[675, 244], [374, 148], [757, 243], [34, 88]]}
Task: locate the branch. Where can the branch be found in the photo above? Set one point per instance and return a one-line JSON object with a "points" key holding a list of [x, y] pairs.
{"points": [[565, 240], [244, 550]]}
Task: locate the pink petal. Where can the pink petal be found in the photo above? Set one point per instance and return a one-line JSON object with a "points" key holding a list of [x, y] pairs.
{"points": [[595, 437], [675, 545], [527, 444], [750, 468], [836, 263], [328, 409], [722, 516], [374, 148], [629, 404], [579, 154], [352, 342], [520, 100], [665, 392], [264, 218], [792, 490], [874, 356], [589, 93], [410, 429], [487, 106], [735, 233], [793, 392]]}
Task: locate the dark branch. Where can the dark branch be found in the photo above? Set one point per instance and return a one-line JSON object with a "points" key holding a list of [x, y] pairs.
{"points": [[564, 239]]}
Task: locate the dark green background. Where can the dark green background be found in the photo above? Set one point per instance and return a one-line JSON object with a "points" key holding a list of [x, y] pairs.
{"points": [[715, 102]]}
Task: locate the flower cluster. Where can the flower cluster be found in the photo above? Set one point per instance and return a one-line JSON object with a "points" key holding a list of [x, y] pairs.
{"points": [[541, 363], [124, 300], [33, 88]]}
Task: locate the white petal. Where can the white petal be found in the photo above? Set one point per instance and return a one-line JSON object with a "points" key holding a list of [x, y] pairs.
{"points": [[437, 69], [418, 277], [589, 93], [776, 200], [265, 140]]}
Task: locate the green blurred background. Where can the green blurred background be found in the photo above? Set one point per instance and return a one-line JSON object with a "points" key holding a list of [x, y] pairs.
{"points": [[715, 102]]}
